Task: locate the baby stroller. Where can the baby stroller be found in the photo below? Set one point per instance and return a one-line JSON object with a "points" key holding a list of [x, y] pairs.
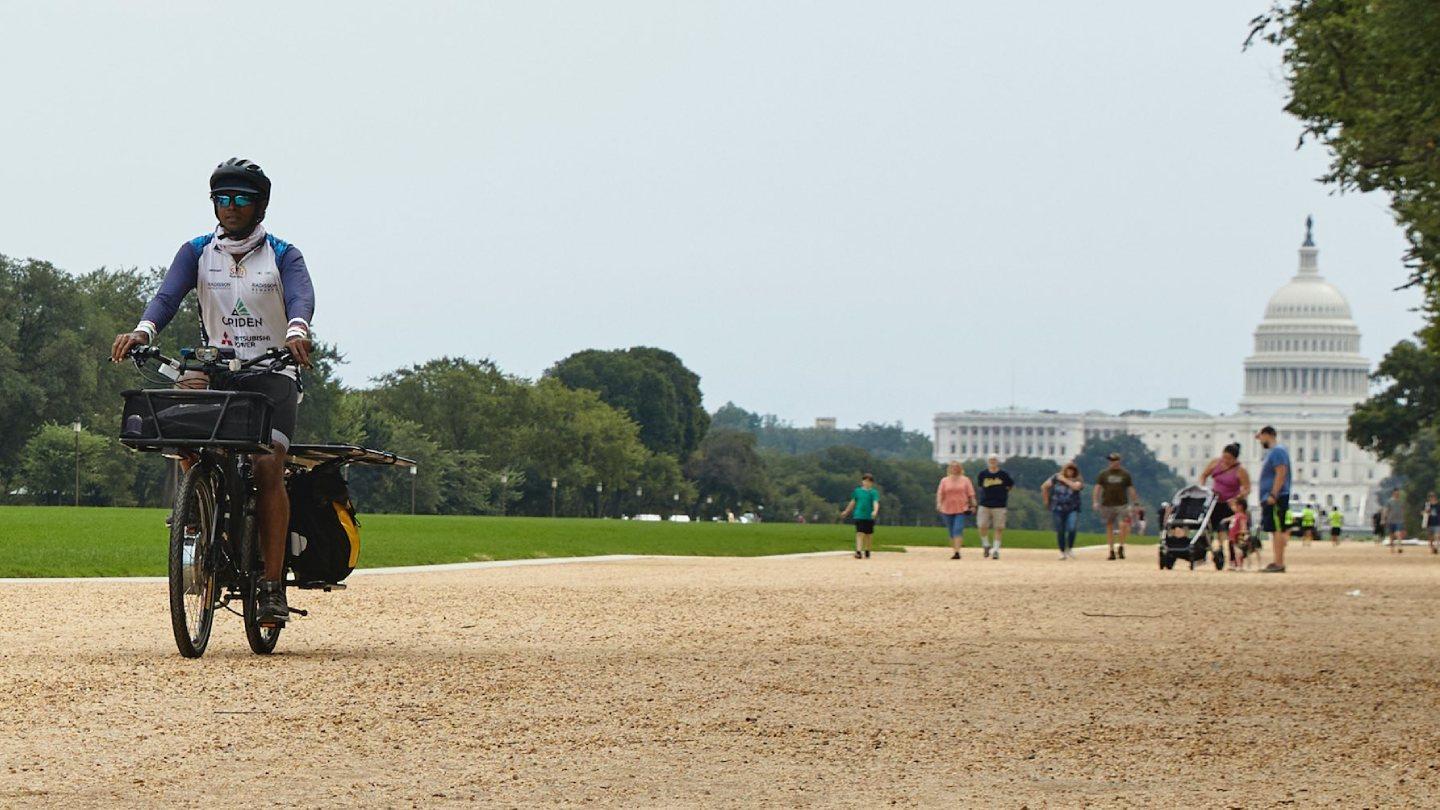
{"points": [[1185, 530]]}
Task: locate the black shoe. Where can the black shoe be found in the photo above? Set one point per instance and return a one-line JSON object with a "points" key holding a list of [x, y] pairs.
{"points": [[1122, 552], [858, 555], [955, 556], [867, 553], [272, 609], [1112, 553]]}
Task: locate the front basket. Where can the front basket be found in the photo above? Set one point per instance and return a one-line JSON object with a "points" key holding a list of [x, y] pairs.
{"points": [[156, 419]]}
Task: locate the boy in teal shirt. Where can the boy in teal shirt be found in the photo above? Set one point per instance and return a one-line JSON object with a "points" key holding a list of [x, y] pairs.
{"points": [[865, 504]]}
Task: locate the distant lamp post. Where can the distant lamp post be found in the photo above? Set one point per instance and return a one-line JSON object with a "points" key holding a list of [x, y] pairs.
{"points": [[414, 472], [675, 510], [554, 485], [76, 426], [760, 518], [504, 480], [639, 495], [599, 508], [709, 499]]}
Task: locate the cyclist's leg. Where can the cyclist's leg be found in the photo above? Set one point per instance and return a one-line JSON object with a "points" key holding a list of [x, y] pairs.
{"points": [[272, 502], [273, 510]]}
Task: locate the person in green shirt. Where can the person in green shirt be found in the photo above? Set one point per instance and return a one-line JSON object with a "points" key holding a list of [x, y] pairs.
{"points": [[865, 505], [1307, 523], [1337, 519]]}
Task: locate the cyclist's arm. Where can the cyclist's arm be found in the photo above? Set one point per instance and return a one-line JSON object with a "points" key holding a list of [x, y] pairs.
{"points": [[299, 294], [179, 281]]}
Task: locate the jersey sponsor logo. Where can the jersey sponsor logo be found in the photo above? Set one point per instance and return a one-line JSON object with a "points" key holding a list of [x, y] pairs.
{"points": [[240, 317], [225, 339], [265, 287], [237, 270]]}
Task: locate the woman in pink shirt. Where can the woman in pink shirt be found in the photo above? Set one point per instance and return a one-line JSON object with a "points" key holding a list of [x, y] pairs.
{"points": [[954, 498]]}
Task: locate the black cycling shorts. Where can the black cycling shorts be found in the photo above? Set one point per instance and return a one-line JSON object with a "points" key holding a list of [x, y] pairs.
{"points": [[282, 392], [864, 526], [1273, 518]]}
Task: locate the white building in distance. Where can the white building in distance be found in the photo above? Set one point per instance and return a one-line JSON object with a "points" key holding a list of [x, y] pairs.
{"points": [[1305, 377]]}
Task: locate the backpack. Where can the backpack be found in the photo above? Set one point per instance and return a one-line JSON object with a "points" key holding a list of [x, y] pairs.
{"points": [[324, 532]]}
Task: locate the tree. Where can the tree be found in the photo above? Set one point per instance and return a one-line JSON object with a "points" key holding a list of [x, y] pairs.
{"points": [[1153, 480], [651, 385], [728, 469], [1361, 76], [773, 433], [733, 417], [50, 466]]}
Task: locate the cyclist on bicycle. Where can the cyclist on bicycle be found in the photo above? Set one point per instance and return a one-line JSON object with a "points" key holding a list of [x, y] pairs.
{"points": [[254, 294]]}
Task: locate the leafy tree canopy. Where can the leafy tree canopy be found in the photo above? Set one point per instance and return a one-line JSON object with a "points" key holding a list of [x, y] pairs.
{"points": [[651, 385]]}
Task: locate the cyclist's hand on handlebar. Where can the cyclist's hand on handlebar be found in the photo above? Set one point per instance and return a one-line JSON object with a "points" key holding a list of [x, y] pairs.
{"points": [[124, 343], [300, 350]]}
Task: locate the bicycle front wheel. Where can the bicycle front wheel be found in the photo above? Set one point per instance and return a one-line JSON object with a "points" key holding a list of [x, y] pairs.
{"points": [[194, 530]]}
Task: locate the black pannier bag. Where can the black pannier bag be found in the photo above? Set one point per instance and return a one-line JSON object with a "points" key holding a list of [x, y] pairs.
{"points": [[324, 542], [155, 418]]}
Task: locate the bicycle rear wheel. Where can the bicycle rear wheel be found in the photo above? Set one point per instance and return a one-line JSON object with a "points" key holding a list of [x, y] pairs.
{"points": [[194, 529]]}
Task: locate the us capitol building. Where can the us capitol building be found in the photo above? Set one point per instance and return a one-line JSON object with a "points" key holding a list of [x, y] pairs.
{"points": [[1305, 376]]}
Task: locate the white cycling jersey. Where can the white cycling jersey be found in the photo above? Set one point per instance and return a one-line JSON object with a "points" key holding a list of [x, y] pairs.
{"points": [[242, 304]]}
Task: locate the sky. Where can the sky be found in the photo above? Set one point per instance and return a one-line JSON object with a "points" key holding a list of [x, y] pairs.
{"points": [[872, 211]]}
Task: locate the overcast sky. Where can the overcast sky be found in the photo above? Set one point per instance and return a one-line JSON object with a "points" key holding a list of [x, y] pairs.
{"points": [[873, 211]]}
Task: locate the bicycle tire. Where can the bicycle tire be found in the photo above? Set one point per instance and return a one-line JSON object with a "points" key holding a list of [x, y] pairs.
{"points": [[262, 640], [192, 561]]}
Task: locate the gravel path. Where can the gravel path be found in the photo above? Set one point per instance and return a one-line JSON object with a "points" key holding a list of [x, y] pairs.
{"points": [[907, 679]]}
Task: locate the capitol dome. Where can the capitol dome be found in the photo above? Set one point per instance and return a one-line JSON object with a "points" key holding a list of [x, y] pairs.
{"points": [[1307, 349], [1308, 297]]}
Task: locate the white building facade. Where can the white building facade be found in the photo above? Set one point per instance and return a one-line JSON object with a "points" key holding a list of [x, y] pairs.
{"points": [[1305, 376]]}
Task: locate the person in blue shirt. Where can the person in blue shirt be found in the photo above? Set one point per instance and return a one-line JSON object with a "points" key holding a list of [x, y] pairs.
{"points": [[1275, 496], [865, 505]]}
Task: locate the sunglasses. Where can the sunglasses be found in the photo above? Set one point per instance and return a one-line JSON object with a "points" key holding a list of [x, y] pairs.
{"points": [[239, 200]]}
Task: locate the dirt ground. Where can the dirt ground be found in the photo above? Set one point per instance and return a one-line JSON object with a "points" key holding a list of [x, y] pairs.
{"points": [[908, 679]]}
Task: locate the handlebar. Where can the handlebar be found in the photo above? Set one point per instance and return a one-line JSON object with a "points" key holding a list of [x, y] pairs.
{"points": [[209, 359]]}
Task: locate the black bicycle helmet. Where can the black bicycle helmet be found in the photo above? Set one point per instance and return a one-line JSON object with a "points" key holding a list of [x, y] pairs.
{"points": [[240, 176]]}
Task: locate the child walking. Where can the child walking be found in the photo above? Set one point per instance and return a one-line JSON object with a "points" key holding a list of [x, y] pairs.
{"points": [[865, 505]]}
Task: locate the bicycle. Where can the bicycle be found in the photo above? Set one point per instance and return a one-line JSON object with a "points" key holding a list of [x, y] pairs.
{"points": [[214, 556]]}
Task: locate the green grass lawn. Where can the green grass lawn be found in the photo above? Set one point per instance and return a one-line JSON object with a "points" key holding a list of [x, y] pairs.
{"points": [[79, 542]]}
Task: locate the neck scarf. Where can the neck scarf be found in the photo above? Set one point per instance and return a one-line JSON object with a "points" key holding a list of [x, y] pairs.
{"points": [[239, 245]]}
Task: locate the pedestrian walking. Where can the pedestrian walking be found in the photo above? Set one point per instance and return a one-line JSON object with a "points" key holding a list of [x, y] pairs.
{"points": [[1275, 495], [1395, 520], [865, 506], [1114, 492], [1432, 521], [954, 499], [995, 486], [1061, 493], [1337, 522]]}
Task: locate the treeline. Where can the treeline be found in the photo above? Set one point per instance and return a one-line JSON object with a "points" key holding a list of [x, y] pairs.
{"points": [[605, 433], [773, 433]]}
